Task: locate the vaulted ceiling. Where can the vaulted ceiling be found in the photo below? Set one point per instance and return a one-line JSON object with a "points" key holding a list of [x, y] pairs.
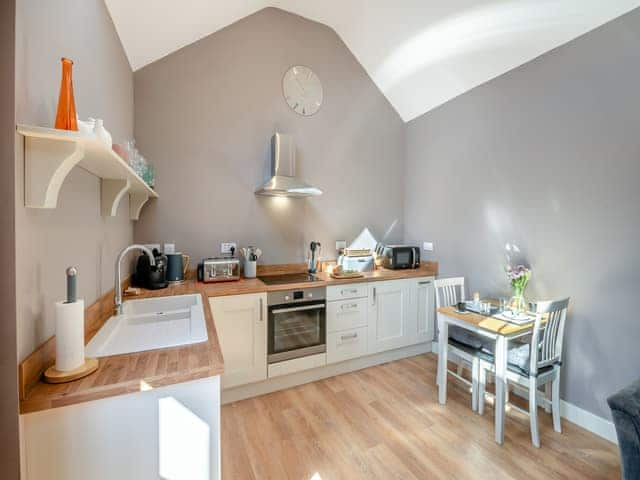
{"points": [[420, 53]]}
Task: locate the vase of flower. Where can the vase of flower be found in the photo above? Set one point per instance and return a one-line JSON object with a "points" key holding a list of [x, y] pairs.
{"points": [[519, 278]]}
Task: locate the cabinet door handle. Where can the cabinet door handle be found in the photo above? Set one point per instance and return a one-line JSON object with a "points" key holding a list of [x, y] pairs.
{"points": [[374, 295], [349, 337], [428, 282], [261, 310], [349, 306]]}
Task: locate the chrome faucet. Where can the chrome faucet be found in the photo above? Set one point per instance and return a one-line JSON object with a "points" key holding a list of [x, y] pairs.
{"points": [[118, 288]]}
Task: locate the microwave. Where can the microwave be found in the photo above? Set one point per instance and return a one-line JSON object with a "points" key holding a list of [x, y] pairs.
{"points": [[399, 257]]}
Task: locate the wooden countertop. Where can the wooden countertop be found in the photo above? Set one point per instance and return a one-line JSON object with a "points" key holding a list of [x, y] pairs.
{"points": [[134, 372], [254, 285], [128, 373]]}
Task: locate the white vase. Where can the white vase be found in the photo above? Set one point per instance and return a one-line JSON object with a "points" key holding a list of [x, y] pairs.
{"points": [[86, 126], [102, 133]]}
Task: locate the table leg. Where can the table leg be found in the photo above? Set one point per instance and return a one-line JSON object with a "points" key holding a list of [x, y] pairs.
{"points": [[501, 386], [443, 336]]}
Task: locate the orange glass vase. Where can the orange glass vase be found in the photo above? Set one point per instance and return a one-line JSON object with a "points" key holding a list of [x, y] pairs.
{"points": [[66, 118]]}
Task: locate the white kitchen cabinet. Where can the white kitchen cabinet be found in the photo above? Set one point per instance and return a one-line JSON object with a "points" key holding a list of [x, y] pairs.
{"points": [[241, 324], [392, 316], [424, 294], [346, 345], [346, 314], [347, 291]]}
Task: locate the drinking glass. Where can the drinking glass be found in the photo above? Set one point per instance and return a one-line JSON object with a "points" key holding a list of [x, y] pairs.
{"points": [[503, 303]]}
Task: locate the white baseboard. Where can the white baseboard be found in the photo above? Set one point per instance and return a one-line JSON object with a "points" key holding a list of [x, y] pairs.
{"points": [[597, 425], [589, 421]]}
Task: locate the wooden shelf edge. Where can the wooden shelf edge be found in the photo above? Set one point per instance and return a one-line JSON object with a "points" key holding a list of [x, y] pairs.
{"points": [[51, 154]]}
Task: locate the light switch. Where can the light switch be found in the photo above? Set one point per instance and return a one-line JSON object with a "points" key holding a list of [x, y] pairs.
{"points": [[427, 246]]}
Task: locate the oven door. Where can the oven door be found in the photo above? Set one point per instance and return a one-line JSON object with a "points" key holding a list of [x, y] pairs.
{"points": [[296, 330]]}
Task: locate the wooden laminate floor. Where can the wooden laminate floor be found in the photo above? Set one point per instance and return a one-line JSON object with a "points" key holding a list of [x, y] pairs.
{"points": [[385, 422]]}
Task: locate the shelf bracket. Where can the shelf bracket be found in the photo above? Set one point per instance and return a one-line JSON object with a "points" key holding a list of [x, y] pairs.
{"points": [[47, 164], [112, 191], [136, 202]]}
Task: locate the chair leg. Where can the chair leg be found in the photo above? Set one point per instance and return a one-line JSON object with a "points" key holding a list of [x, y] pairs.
{"points": [[555, 402], [475, 372], [547, 394], [533, 411], [482, 383]]}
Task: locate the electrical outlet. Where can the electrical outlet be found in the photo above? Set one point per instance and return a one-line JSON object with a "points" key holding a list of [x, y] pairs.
{"points": [[169, 248], [427, 246], [151, 246], [341, 244], [227, 246]]}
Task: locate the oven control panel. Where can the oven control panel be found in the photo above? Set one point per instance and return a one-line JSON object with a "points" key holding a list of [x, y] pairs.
{"points": [[296, 296]]}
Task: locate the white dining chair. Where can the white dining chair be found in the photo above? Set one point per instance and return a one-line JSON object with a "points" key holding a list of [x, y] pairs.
{"points": [[450, 291], [532, 365]]}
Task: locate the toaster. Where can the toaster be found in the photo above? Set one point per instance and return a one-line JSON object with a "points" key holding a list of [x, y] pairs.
{"points": [[219, 269]]}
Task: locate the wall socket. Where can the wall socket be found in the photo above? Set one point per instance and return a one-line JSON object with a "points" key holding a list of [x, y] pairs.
{"points": [[427, 246], [341, 244], [227, 246]]}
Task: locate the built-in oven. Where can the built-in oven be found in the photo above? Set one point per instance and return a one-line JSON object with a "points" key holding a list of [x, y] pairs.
{"points": [[297, 323]]}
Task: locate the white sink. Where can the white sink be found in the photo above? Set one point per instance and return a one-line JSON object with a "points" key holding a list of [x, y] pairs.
{"points": [[151, 323]]}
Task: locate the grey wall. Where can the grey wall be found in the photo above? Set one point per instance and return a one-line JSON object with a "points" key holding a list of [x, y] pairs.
{"points": [[205, 116], [546, 157], [9, 443], [74, 233]]}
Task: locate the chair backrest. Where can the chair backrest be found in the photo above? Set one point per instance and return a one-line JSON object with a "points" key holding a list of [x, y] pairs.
{"points": [[449, 291], [548, 334]]}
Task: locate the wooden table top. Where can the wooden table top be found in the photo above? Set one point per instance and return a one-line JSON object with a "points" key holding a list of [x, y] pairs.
{"points": [[491, 324], [133, 372]]}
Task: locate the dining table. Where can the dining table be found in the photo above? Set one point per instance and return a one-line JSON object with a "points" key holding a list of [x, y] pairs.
{"points": [[493, 325]]}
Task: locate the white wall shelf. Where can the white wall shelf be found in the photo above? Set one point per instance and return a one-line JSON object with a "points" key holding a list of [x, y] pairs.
{"points": [[50, 154]]}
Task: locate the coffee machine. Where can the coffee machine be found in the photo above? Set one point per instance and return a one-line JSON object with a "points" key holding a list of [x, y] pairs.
{"points": [[153, 277]]}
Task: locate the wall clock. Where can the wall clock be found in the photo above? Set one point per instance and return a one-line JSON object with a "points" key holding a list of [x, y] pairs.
{"points": [[302, 90]]}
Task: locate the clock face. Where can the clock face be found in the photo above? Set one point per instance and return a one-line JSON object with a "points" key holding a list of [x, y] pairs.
{"points": [[302, 90]]}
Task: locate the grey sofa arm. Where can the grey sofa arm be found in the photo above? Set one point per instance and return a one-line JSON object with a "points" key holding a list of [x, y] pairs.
{"points": [[625, 408]]}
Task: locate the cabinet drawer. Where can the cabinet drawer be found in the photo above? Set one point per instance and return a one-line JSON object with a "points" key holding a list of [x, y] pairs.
{"points": [[346, 314], [346, 345], [341, 292]]}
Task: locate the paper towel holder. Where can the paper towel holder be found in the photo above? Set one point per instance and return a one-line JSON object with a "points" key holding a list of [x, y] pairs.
{"points": [[72, 309], [52, 375]]}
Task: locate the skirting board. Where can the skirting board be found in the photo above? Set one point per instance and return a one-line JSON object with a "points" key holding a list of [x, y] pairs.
{"points": [[574, 414], [307, 376]]}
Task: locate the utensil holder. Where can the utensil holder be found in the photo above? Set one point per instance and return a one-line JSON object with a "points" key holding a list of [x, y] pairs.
{"points": [[250, 269]]}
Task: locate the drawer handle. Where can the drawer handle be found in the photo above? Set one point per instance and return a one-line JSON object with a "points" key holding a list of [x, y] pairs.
{"points": [[346, 292], [349, 337], [349, 306], [428, 282]]}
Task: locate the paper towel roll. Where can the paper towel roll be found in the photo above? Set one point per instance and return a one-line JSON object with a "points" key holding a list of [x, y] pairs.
{"points": [[69, 335]]}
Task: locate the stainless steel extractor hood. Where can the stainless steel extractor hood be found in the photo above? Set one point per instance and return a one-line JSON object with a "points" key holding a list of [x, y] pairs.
{"points": [[283, 182]]}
